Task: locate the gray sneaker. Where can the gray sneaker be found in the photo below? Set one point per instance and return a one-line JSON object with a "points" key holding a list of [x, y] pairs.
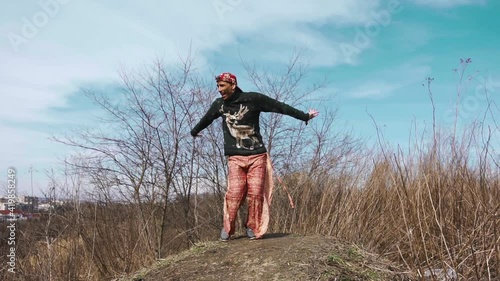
{"points": [[224, 237], [250, 234]]}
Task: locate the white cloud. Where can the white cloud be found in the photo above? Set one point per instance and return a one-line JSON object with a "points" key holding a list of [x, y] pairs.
{"points": [[37, 82], [387, 81], [374, 90], [86, 41]]}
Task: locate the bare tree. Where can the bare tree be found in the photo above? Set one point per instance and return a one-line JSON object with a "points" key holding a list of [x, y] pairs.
{"points": [[142, 153]]}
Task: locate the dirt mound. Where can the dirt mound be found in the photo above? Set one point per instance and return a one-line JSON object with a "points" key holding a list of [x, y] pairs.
{"points": [[276, 257]]}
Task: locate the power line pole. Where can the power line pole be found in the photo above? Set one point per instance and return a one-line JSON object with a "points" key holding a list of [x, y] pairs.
{"points": [[32, 198]]}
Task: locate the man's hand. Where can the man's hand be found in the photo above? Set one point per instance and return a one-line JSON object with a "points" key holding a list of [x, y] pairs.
{"points": [[313, 113]]}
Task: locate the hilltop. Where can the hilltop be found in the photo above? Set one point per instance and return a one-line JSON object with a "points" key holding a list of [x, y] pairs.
{"points": [[276, 257]]}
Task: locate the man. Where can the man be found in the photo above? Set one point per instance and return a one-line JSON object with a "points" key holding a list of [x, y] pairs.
{"points": [[249, 166]]}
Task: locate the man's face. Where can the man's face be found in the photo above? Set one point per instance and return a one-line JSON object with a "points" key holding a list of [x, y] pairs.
{"points": [[225, 89]]}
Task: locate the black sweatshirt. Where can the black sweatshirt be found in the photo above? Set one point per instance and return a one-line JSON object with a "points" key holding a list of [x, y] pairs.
{"points": [[240, 120]]}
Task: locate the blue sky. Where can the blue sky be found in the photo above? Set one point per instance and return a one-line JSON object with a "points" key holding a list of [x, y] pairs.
{"points": [[376, 55]]}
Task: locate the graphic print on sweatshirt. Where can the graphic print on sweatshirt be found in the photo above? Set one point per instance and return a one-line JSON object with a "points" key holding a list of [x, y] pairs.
{"points": [[244, 134]]}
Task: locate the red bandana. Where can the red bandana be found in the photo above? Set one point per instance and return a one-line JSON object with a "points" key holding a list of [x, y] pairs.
{"points": [[226, 77]]}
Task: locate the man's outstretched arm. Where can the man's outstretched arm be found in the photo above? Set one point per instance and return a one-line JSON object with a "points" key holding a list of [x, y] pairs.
{"points": [[269, 104], [212, 114]]}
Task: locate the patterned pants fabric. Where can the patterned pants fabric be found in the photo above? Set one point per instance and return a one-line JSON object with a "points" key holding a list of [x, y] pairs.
{"points": [[250, 178]]}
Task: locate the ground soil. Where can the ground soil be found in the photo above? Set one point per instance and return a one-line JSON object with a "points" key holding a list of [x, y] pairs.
{"points": [[275, 257]]}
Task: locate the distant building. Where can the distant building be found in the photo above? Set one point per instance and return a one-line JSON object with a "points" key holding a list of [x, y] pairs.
{"points": [[27, 204], [4, 203]]}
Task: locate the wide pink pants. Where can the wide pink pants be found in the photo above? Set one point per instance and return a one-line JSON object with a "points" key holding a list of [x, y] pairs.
{"points": [[250, 177]]}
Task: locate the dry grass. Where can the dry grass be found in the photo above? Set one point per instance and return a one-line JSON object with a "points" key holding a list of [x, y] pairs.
{"points": [[431, 210]]}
